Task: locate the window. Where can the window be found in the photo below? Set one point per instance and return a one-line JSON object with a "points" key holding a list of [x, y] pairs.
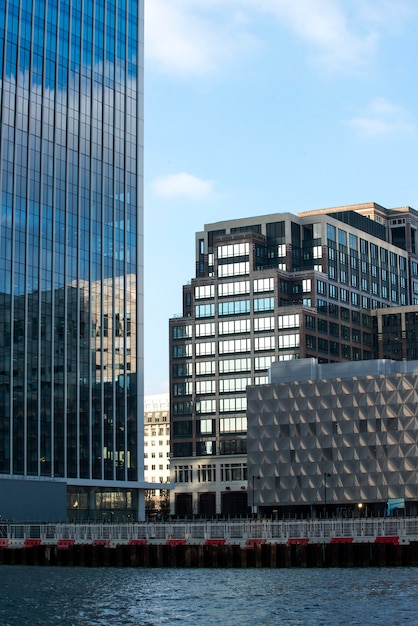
{"points": [[234, 345], [233, 269], [182, 389], [331, 232], [179, 332], [263, 284], [205, 368], [204, 291], [204, 427], [288, 321], [234, 327], [236, 307], [263, 304], [263, 362], [333, 292], [205, 349], [206, 473], [184, 350], [234, 365], [321, 287], [322, 326], [181, 370], [233, 250], [232, 424], [183, 474], [264, 343], [228, 385], [288, 341], [233, 289], [205, 330], [205, 406], [265, 323], [231, 405], [344, 295], [310, 322], [233, 471], [205, 310], [205, 386]]}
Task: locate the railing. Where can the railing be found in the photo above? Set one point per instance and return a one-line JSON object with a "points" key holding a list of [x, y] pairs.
{"points": [[364, 530]]}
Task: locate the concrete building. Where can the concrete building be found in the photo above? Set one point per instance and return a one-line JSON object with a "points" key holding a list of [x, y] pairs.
{"points": [[328, 439], [71, 270], [157, 454], [273, 288]]}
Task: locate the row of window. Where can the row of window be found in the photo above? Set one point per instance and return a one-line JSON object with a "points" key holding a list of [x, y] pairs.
{"points": [[227, 385], [260, 285], [235, 327], [226, 405], [235, 307], [208, 448], [207, 473], [207, 426], [154, 456]]}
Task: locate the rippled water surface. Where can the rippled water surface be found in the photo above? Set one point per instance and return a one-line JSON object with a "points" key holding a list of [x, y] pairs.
{"points": [[228, 597]]}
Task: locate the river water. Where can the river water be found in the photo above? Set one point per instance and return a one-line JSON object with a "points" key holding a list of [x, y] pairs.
{"points": [[225, 597]]}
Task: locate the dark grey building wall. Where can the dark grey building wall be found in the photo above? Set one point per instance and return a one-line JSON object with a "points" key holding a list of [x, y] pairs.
{"points": [[33, 500]]}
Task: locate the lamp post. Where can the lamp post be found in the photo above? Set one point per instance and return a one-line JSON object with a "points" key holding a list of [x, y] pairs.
{"points": [[326, 475], [253, 505]]}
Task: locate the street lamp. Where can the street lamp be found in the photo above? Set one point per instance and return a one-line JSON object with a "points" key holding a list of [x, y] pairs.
{"points": [[326, 475], [258, 478]]}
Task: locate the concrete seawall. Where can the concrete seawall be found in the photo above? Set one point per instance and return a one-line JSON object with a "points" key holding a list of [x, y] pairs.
{"points": [[222, 556]]}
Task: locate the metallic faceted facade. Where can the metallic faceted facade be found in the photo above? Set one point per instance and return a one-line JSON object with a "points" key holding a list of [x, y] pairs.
{"points": [[71, 212], [335, 435]]}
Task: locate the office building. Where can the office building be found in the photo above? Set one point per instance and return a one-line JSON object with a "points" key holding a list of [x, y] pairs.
{"points": [[157, 455], [71, 285], [273, 288], [334, 439]]}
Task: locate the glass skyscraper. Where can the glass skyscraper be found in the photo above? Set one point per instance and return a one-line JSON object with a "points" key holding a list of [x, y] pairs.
{"points": [[71, 213]]}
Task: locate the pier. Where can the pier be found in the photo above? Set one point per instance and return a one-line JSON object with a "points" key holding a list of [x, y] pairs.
{"points": [[234, 543]]}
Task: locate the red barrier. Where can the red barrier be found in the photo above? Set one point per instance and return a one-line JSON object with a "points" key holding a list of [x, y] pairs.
{"points": [[297, 541], [341, 540], [251, 543], [215, 542], [137, 542], [388, 539], [64, 544], [102, 542], [32, 543]]}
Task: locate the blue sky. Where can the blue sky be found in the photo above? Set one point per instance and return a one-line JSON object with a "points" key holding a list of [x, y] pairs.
{"points": [[266, 106]]}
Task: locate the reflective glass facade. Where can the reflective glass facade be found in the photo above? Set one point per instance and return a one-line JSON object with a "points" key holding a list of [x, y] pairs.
{"points": [[71, 101]]}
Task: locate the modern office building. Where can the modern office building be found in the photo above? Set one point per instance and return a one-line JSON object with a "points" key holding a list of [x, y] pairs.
{"points": [[395, 333], [71, 259], [157, 455], [273, 288], [328, 439]]}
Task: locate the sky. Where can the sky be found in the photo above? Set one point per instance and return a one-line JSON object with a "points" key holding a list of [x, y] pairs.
{"points": [[255, 107]]}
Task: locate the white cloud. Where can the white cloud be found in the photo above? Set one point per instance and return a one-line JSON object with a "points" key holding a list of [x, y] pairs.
{"points": [[188, 37], [194, 37], [183, 185], [382, 117], [325, 26]]}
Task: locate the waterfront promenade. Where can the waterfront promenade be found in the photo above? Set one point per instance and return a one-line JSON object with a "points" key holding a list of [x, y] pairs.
{"points": [[400, 530], [234, 543]]}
